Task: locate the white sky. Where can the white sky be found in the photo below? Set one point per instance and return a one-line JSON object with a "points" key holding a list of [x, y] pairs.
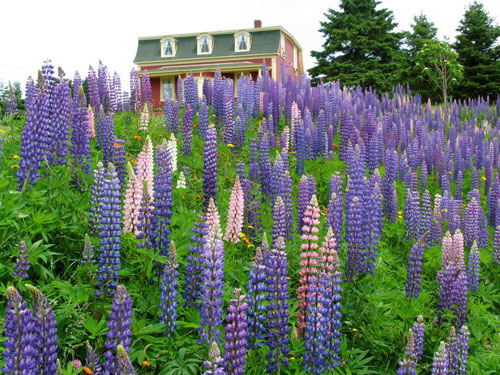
{"points": [[74, 34]]}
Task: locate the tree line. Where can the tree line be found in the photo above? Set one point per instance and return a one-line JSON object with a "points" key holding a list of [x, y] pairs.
{"points": [[362, 48]]}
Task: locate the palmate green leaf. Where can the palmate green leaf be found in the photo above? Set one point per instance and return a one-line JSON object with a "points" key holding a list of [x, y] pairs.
{"points": [[95, 328]]}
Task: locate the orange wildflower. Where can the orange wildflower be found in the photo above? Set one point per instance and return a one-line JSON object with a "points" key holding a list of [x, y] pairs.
{"points": [[87, 370], [133, 161], [137, 137], [116, 144], [146, 363]]}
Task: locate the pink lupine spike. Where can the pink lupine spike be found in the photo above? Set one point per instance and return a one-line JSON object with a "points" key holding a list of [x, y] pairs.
{"points": [[212, 217], [132, 202], [329, 253], [91, 122], [309, 255], [145, 165], [235, 213]]}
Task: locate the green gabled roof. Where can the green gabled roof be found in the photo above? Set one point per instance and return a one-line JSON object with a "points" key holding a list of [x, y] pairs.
{"points": [[263, 42]]}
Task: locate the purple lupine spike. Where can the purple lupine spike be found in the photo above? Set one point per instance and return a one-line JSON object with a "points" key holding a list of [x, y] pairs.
{"points": [[335, 209], [458, 186], [11, 105], [123, 364], [471, 222], [277, 309], [256, 288], [168, 294], [473, 268], [146, 93], [46, 332], [412, 214], [279, 220], [425, 214], [92, 361], [109, 233], [191, 92], [118, 160], [372, 223], [253, 217], [496, 246], [253, 166], [106, 135], [483, 229], [301, 149], [203, 119], [264, 166], [93, 90], [210, 165], [208, 90], [103, 85], [22, 265], [119, 332], [95, 202], [60, 119], [80, 141], [304, 199], [413, 280], [408, 365], [423, 176], [187, 130], [215, 365], [180, 90], [235, 347], [418, 335], [353, 236], [462, 350], [143, 233], [493, 195], [388, 184], [21, 352], [440, 363], [194, 268], [117, 103], [135, 92], [212, 291]]}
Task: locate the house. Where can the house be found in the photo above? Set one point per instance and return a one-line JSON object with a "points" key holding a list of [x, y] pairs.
{"points": [[234, 52]]}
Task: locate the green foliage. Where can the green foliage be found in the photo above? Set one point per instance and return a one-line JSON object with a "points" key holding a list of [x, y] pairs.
{"points": [[361, 47], [479, 53]]}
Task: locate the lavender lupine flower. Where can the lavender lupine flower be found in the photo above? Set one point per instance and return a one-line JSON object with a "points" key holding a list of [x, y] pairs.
{"points": [[215, 365], [256, 288], [175, 117], [118, 160], [210, 165], [473, 268], [22, 262], [253, 165], [407, 365], [304, 199], [119, 332], [93, 89], [440, 363], [88, 251], [95, 202], [135, 92], [228, 122], [335, 206], [146, 93], [80, 141], [471, 222], [203, 119], [46, 332], [191, 92], [180, 90], [11, 106], [109, 233], [372, 222], [235, 213], [144, 219], [415, 267], [235, 347], [418, 335], [425, 214], [354, 217], [212, 289], [21, 350], [194, 267], [277, 309], [60, 119], [496, 246], [279, 220], [264, 166], [412, 214], [92, 361], [123, 364], [462, 350], [187, 130], [105, 134], [168, 295]]}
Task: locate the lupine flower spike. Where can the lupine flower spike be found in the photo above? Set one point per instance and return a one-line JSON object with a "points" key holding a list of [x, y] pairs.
{"points": [[22, 263], [235, 213]]}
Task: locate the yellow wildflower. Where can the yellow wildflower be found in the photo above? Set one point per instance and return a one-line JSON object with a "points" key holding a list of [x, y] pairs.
{"points": [[15, 156], [2, 131], [444, 210], [230, 145], [14, 166], [483, 178]]}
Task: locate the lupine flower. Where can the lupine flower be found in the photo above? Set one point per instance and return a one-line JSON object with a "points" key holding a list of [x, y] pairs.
{"points": [[471, 222], [144, 124], [105, 134], [215, 365], [277, 309], [45, 331], [304, 199], [109, 232], [88, 251], [135, 93], [496, 246], [418, 335], [279, 220], [123, 364], [415, 267], [235, 213], [264, 166], [172, 149], [168, 295], [354, 211], [440, 363], [132, 202], [187, 130], [309, 257], [336, 206], [203, 119], [22, 262], [119, 332], [144, 219], [95, 202], [92, 362], [11, 105], [253, 166], [145, 165], [194, 268], [91, 119], [473, 267], [235, 347], [181, 181], [21, 347], [212, 285], [146, 93], [210, 165], [407, 365], [212, 217], [256, 296]]}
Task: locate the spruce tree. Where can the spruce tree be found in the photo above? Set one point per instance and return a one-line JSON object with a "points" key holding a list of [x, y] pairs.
{"points": [[479, 53], [361, 47]]}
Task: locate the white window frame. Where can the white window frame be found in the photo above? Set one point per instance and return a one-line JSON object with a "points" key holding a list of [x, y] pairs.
{"points": [[282, 46], [162, 96], [295, 58], [237, 44], [210, 44], [174, 46]]}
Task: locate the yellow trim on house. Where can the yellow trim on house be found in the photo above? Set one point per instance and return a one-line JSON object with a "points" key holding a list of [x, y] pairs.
{"points": [[273, 67], [205, 59], [201, 68]]}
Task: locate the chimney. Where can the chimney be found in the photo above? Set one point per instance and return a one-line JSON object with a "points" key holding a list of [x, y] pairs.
{"points": [[257, 24]]}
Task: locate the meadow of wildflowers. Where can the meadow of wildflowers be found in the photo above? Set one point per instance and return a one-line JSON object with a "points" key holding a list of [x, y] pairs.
{"points": [[291, 229]]}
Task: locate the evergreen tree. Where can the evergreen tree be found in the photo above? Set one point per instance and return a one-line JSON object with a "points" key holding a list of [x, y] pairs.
{"points": [[361, 47], [479, 53]]}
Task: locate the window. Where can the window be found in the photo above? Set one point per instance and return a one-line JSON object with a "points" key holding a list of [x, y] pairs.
{"points": [[282, 46], [242, 41], [169, 47], [205, 44], [168, 89], [295, 58]]}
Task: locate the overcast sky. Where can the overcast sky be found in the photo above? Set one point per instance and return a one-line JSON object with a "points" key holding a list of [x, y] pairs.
{"points": [[74, 34]]}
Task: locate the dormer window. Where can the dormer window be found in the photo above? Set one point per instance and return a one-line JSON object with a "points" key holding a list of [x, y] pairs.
{"points": [[205, 44], [168, 47], [242, 41]]}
